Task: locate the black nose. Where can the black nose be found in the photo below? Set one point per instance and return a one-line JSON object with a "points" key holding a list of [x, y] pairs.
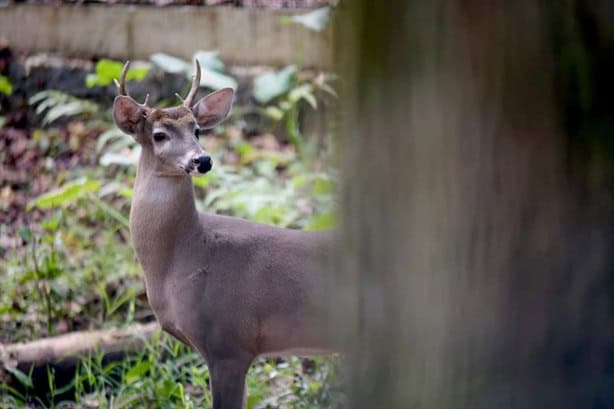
{"points": [[204, 164]]}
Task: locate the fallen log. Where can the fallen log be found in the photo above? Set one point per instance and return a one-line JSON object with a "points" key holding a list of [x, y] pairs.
{"points": [[76, 345], [62, 353]]}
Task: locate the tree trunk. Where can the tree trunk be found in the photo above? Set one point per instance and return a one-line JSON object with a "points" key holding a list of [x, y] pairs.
{"points": [[475, 268]]}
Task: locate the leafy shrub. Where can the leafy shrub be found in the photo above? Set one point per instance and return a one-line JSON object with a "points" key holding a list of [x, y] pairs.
{"points": [[55, 105], [108, 70]]}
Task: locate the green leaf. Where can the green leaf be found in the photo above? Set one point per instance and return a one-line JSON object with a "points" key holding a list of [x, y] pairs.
{"points": [[109, 70], [51, 225], [69, 109], [322, 186], [300, 180], [270, 214], [23, 379], [65, 195], [254, 398], [25, 233], [58, 104], [314, 20], [91, 80], [6, 87], [166, 388], [273, 84], [127, 192], [202, 181], [210, 60], [170, 64], [244, 149], [324, 221], [274, 113], [303, 92], [216, 80], [106, 72], [111, 211], [211, 67], [137, 371], [315, 386], [110, 135], [137, 74], [39, 97]]}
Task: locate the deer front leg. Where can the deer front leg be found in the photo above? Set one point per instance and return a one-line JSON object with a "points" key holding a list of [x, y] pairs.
{"points": [[228, 382]]}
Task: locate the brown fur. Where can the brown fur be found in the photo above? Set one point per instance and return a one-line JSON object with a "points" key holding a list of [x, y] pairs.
{"points": [[230, 288]]}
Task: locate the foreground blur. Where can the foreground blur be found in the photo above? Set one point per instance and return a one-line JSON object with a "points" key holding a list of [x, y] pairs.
{"points": [[476, 264]]}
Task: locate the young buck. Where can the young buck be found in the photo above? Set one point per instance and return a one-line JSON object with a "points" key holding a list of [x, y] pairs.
{"points": [[231, 289]]}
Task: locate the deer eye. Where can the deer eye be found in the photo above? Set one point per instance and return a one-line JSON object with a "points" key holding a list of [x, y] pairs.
{"points": [[197, 132], [159, 136]]}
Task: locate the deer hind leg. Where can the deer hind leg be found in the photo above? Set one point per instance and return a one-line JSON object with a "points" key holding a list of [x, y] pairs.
{"points": [[228, 382]]}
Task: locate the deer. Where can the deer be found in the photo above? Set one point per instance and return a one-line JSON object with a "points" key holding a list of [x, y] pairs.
{"points": [[231, 289]]}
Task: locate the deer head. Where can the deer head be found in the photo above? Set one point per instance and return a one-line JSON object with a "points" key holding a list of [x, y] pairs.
{"points": [[170, 135]]}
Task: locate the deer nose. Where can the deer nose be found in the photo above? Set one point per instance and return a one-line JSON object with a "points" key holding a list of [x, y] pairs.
{"points": [[203, 163]]}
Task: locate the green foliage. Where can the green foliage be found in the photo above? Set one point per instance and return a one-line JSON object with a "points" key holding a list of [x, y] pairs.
{"points": [[285, 91], [6, 87], [109, 70], [66, 194], [324, 221], [273, 84], [256, 193], [54, 105], [212, 68], [117, 148]]}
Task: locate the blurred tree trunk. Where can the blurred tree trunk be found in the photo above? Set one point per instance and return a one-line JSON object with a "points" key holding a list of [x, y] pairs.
{"points": [[476, 262]]}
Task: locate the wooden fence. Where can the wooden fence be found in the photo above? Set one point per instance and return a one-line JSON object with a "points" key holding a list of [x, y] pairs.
{"points": [[242, 35]]}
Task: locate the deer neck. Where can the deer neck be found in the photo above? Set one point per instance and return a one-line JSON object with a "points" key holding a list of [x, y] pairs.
{"points": [[163, 217]]}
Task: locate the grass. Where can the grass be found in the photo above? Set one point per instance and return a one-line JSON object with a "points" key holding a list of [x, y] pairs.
{"points": [[167, 374]]}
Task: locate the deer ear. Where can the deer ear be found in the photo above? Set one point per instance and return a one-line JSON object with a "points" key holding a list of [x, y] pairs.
{"points": [[129, 116], [214, 108]]}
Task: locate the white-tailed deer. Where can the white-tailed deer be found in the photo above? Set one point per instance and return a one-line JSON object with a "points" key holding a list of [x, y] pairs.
{"points": [[231, 289]]}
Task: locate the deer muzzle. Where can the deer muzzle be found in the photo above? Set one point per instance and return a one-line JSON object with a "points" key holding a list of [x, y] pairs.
{"points": [[203, 164]]}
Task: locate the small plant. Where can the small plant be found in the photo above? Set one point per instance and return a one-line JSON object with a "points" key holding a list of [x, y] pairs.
{"points": [[283, 91], [54, 105]]}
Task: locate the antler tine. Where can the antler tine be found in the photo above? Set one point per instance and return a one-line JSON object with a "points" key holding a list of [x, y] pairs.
{"points": [[195, 84], [122, 79], [146, 100]]}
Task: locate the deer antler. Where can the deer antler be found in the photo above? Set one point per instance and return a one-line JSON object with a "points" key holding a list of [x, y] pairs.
{"points": [[122, 84], [187, 102]]}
